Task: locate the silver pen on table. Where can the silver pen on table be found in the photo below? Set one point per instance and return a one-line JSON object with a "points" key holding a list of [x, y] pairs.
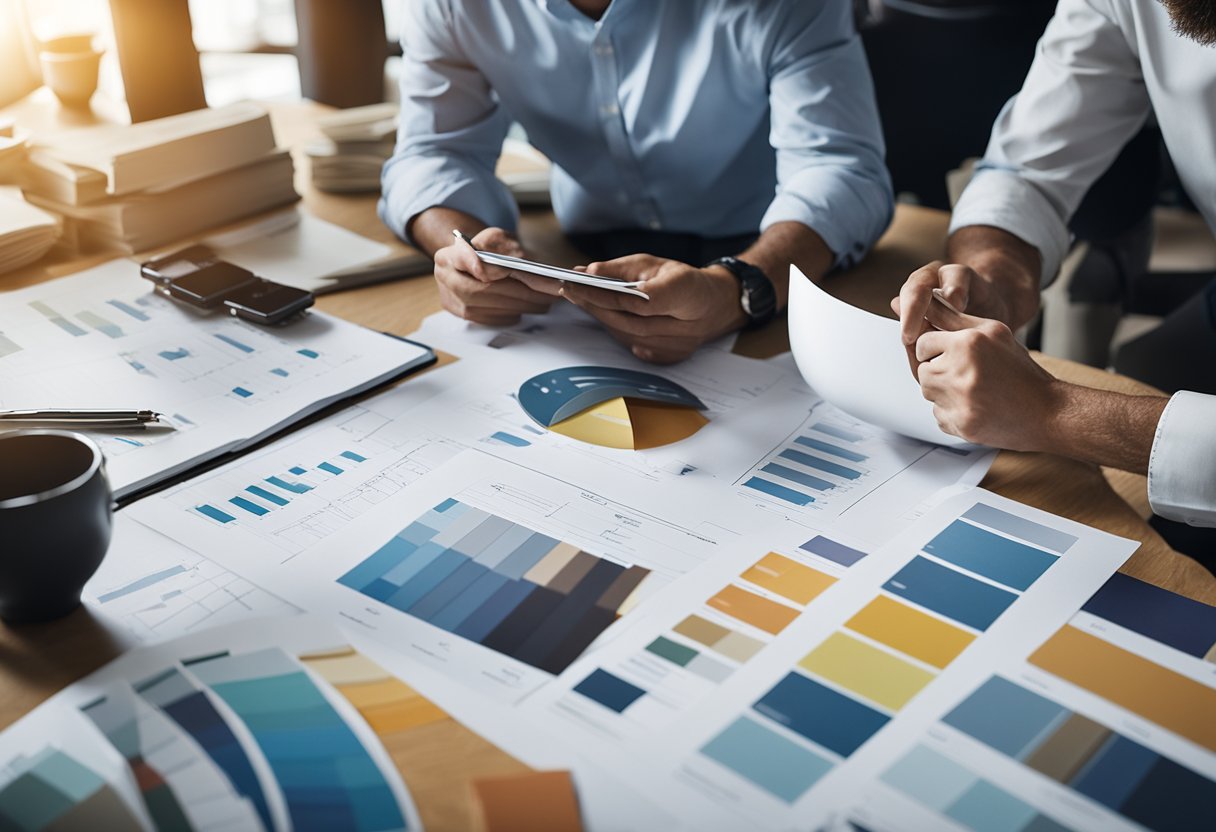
{"points": [[85, 418]]}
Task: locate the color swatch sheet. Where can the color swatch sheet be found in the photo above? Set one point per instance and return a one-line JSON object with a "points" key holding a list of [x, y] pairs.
{"points": [[104, 339], [200, 733], [1105, 725], [150, 588], [494, 574], [766, 690], [770, 440]]}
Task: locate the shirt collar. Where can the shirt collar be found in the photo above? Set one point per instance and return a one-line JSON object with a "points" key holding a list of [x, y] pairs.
{"points": [[563, 10]]}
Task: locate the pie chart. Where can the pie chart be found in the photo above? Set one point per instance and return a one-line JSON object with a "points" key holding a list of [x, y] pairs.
{"points": [[612, 407]]}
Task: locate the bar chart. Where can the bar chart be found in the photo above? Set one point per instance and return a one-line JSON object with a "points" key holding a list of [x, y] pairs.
{"points": [[52, 790], [504, 586], [279, 489], [327, 777], [853, 683]]}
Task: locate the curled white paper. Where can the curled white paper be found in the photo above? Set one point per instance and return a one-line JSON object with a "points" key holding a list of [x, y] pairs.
{"points": [[856, 360]]}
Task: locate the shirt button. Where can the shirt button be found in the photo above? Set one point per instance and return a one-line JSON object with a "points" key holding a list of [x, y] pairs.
{"points": [[654, 225], [603, 49], [610, 109]]}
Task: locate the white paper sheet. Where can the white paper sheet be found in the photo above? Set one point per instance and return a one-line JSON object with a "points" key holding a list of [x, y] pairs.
{"points": [[150, 588], [297, 249], [856, 360], [103, 339], [1045, 775], [671, 724]]}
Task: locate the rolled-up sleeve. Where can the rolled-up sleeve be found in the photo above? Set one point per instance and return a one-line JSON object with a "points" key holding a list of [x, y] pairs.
{"points": [[1083, 99], [451, 128], [826, 132], [1182, 467]]}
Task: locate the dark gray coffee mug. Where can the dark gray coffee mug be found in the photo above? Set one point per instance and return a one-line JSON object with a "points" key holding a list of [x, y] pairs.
{"points": [[55, 518]]}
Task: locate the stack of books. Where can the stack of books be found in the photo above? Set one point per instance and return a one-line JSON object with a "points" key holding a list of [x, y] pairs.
{"points": [[12, 152], [357, 142], [26, 233], [135, 188]]}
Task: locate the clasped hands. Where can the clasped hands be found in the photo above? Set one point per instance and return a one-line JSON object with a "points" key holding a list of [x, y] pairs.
{"points": [[687, 307], [983, 384]]}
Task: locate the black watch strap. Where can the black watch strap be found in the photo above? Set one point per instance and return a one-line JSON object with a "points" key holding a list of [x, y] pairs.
{"points": [[757, 296]]}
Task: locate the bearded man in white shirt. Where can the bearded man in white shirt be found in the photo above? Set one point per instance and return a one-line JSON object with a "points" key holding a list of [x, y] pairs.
{"points": [[1102, 68]]}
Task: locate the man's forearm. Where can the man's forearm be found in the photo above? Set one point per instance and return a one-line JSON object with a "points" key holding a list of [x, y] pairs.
{"points": [[1009, 264], [432, 229], [1103, 427], [784, 244]]}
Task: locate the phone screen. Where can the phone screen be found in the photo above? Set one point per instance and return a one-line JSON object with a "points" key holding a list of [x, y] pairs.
{"points": [[267, 302], [208, 287]]}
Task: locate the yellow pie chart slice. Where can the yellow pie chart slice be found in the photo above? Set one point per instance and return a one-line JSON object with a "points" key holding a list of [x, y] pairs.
{"points": [[632, 424]]}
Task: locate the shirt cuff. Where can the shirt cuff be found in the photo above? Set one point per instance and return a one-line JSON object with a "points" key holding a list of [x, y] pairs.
{"points": [[1004, 200], [1182, 466], [412, 184], [850, 222]]}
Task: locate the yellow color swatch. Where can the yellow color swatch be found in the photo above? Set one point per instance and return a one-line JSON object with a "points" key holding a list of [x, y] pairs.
{"points": [[437, 757], [866, 670], [910, 631], [753, 609], [1160, 695], [388, 704], [788, 578]]}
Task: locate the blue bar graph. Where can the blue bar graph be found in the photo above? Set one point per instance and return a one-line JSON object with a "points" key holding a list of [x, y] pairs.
{"points": [[838, 432], [772, 489], [57, 319], [232, 342], [797, 476], [128, 309], [242, 392], [279, 371], [829, 448], [293, 487], [329, 468], [251, 507], [214, 513], [508, 439], [258, 491], [175, 355], [142, 583], [353, 457], [309, 353], [820, 464], [298, 470]]}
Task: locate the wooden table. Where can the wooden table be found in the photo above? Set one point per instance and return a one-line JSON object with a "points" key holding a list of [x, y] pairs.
{"points": [[36, 661]]}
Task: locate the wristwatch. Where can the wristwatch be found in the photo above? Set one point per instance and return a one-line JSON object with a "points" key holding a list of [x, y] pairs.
{"points": [[756, 293]]}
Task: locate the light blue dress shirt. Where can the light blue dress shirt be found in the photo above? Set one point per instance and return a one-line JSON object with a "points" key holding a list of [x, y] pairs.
{"points": [[712, 117]]}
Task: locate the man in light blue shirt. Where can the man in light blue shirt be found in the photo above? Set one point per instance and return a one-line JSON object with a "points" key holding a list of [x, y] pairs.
{"points": [[680, 131]]}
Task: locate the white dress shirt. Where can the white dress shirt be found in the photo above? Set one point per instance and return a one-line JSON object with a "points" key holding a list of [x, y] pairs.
{"points": [[1102, 69]]}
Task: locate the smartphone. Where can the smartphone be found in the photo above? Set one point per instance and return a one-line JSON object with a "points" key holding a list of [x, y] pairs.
{"points": [[167, 268], [198, 277], [267, 302]]}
